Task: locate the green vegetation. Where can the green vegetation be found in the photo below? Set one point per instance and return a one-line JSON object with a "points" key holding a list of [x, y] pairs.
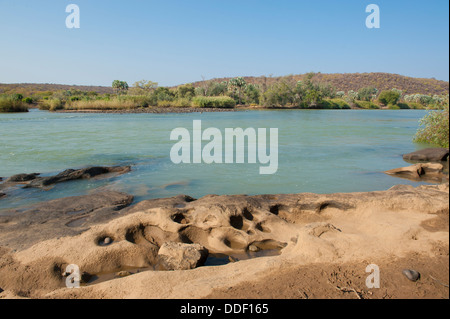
{"points": [[308, 91], [12, 103], [435, 128], [214, 101], [390, 97]]}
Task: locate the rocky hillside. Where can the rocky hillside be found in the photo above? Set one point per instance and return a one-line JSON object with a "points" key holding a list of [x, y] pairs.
{"points": [[341, 81], [355, 81]]}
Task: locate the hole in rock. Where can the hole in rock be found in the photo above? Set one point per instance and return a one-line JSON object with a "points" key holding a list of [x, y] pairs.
{"points": [[105, 240], [179, 218], [275, 209], [246, 213], [237, 222]]}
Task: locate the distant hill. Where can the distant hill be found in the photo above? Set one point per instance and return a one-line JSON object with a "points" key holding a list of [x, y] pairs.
{"points": [[31, 88], [341, 81], [355, 81]]}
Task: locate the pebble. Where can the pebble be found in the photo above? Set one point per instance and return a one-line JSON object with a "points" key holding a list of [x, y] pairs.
{"points": [[107, 241], [253, 248], [411, 274]]}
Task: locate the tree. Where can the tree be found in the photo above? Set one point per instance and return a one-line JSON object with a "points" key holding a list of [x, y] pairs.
{"points": [[435, 130], [238, 84], [252, 93], [186, 91], [389, 97], [367, 93], [144, 86], [120, 87]]}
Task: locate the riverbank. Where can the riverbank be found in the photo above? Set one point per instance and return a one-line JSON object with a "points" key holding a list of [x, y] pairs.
{"points": [[324, 242]]}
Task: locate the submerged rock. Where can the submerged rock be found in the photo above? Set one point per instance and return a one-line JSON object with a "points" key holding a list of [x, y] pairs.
{"points": [[34, 180], [20, 178], [71, 174], [428, 155], [180, 256]]}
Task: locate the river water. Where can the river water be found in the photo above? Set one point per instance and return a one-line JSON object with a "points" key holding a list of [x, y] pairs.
{"points": [[320, 151]]}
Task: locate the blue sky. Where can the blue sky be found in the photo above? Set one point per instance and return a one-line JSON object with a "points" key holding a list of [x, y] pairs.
{"points": [[174, 42]]}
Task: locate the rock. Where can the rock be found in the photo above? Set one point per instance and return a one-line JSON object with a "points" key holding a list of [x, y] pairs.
{"points": [[253, 248], [428, 155], [422, 171], [71, 174], [2, 195], [20, 178], [107, 241], [180, 256], [411, 274], [20, 229]]}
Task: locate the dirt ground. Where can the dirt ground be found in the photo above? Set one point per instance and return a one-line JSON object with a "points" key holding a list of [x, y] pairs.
{"points": [[348, 281]]}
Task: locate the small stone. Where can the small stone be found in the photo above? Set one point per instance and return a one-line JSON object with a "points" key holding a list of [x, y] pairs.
{"points": [[107, 241], [253, 248], [411, 274]]}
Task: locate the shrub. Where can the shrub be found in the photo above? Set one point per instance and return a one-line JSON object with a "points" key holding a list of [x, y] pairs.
{"points": [[389, 97], [214, 101], [340, 103], [12, 104], [367, 93], [52, 104], [435, 130], [366, 105], [27, 100]]}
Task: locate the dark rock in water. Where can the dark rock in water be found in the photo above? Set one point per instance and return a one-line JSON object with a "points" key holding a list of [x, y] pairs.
{"points": [[20, 178], [21, 229], [428, 155], [2, 195], [72, 174], [411, 274]]}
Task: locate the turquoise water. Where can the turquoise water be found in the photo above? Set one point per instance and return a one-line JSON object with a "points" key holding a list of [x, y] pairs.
{"points": [[321, 151]]}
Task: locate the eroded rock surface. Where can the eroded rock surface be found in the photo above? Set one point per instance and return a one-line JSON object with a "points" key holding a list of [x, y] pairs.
{"points": [[308, 228]]}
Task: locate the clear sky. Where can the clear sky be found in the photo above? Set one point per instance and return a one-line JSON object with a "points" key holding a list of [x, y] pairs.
{"points": [[179, 41]]}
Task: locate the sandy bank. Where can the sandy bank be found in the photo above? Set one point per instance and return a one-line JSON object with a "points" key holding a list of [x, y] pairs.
{"points": [[326, 242]]}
